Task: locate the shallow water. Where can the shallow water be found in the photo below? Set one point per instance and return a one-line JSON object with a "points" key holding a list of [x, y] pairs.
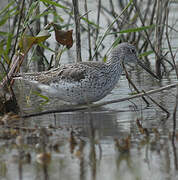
{"points": [[86, 140], [125, 141]]}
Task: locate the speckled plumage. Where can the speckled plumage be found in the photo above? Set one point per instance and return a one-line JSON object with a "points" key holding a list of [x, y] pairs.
{"points": [[84, 82]]}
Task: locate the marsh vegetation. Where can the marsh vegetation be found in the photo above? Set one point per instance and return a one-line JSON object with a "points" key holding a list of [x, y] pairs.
{"points": [[131, 133]]}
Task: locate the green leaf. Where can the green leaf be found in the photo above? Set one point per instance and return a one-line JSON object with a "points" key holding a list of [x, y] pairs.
{"points": [[109, 28], [135, 29], [104, 58], [30, 12], [46, 47], [114, 44], [146, 53], [54, 3], [90, 22], [2, 33], [3, 20], [1, 47], [3, 52], [45, 98], [9, 40], [9, 14], [41, 95], [42, 14], [7, 7], [57, 17], [133, 93], [26, 42]]}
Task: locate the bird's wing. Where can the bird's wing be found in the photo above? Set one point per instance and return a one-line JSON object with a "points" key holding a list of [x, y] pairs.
{"points": [[70, 72], [34, 76]]}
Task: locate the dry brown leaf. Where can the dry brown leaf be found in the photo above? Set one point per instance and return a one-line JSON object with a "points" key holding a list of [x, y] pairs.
{"points": [[72, 141], [124, 146], [9, 118], [141, 129], [43, 158], [64, 37]]}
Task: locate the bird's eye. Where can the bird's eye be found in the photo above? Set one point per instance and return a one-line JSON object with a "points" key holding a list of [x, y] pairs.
{"points": [[132, 51]]}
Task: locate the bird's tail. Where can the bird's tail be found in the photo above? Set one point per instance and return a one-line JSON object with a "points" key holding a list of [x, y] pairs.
{"points": [[26, 76], [17, 76]]}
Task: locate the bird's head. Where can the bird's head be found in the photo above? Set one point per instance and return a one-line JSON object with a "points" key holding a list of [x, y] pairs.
{"points": [[126, 53]]}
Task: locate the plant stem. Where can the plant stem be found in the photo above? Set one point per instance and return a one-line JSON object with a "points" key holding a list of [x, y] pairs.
{"points": [[77, 30]]}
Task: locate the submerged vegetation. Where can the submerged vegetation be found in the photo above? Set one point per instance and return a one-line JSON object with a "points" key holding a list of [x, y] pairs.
{"points": [[38, 35]]}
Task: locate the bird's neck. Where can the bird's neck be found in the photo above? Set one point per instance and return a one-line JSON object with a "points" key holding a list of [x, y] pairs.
{"points": [[115, 66], [114, 61]]}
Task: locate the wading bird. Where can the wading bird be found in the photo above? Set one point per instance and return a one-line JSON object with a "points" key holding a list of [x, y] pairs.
{"points": [[85, 82]]}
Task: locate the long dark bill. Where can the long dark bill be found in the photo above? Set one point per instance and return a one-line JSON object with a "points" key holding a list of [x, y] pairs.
{"points": [[147, 69]]}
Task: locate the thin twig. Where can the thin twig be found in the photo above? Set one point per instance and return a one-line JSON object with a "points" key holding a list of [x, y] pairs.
{"points": [[18, 29], [133, 85], [97, 30], [158, 44], [15, 61], [161, 107], [89, 34], [136, 89], [77, 29], [174, 117], [169, 44]]}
